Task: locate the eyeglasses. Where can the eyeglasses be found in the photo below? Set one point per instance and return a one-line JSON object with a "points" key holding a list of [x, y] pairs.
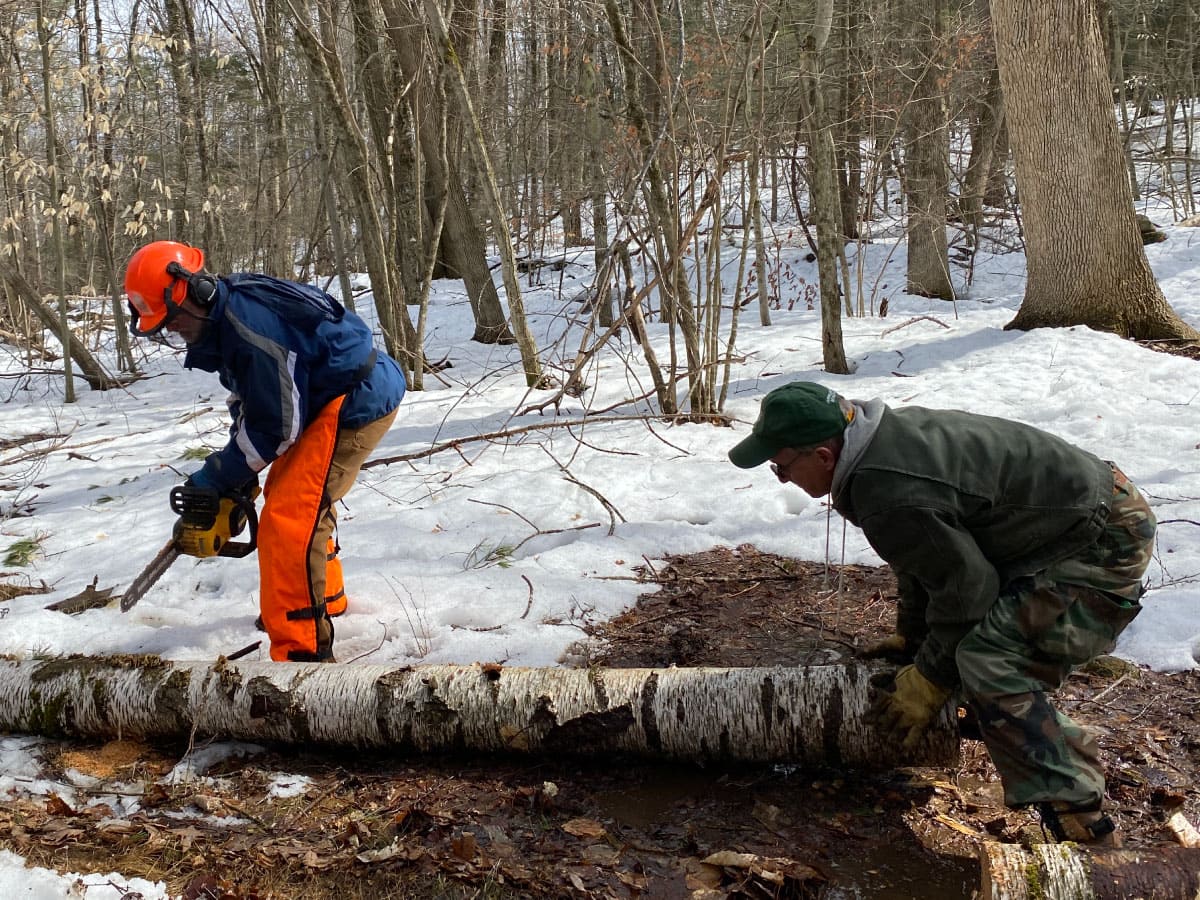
{"points": [[781, 471]]}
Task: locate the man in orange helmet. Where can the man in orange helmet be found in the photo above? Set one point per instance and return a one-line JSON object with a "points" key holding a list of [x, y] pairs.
{"points": [[309, 395]]}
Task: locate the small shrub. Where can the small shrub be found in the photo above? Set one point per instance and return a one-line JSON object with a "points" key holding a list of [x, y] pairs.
{"points": [[22, 552]]}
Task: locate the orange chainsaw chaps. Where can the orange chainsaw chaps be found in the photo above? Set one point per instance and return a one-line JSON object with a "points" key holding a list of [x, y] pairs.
{"points": [[335, 586], [290, 584]]}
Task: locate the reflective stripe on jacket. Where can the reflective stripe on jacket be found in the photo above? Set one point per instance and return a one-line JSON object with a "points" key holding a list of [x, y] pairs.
{"points": [[285, 350]]}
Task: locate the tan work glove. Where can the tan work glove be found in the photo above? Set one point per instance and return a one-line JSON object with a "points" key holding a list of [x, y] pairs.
{"points": [[906, 711], [893, 648]]}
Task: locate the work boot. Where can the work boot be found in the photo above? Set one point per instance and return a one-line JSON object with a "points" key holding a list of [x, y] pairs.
{"points": [[1093, 828]]}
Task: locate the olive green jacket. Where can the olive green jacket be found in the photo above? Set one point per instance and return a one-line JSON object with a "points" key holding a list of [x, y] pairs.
{"points": [[960, 505]]}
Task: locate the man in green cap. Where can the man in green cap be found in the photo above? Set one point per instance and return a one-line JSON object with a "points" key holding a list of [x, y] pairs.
{"points": [[1018, 558]]}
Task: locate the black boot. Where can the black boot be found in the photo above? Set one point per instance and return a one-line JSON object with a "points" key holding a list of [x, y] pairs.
{"points": [[1091, 827]]}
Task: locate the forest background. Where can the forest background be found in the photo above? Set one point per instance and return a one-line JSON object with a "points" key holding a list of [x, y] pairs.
{"points": [[413, 142], [606, 187]]}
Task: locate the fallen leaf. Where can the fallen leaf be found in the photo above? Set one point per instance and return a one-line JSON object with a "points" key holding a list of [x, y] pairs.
{"points": [[588, 828], [731, 858], [313, 861], [380, 855], [464, 846], [202, 887], [57, 806], [1183, 830], [600, 855], [187, 836]]}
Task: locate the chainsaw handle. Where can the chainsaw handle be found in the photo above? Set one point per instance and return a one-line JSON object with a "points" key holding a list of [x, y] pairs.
{"points": [[199, 509], [244, 504]]}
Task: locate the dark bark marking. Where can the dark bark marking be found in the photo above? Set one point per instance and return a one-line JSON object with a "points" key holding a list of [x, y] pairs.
{"points": [[52, 715], [649, 718], [833, 719], [277, 707], [599, 690], [386, 708], [171, 700], [590, 730], [767, 699], [100, 698]]}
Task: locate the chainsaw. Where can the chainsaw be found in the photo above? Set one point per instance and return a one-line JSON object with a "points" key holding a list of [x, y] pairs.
{"points": [[207, 524]]}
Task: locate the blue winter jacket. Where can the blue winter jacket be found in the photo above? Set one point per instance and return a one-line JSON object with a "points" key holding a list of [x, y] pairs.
{"points": [[284, 350]]}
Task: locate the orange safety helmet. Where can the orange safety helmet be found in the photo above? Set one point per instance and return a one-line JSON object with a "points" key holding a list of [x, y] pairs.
{"points": [[156, 282]]}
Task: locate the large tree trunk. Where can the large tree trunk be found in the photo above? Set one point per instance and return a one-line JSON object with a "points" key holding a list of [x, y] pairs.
{"points": [[463, 247], [1086, 265], [268, 22], [53, 166], [328, 77], [1067, 872], [811, 715], [824, 201], [663, 205], [927, 165], [457, 79], [985, 133]]}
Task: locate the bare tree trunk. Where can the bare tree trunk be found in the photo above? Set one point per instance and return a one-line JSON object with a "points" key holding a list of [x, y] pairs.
{"points": [[100, 160], [327, 73], [463, 247], [825, 205], [53, 168], [1086, 265], [341, 259], [1068, 872], [508, 262], [387, 113], [592, 93], [89, 367], [185, 71], [851, 116], [989, 116], [664, 210], [268, 21], [810, 715], [927, 166]]}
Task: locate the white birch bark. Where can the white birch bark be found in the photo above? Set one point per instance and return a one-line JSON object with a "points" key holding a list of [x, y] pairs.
{"points": [[1072, 872], [810, 715]]}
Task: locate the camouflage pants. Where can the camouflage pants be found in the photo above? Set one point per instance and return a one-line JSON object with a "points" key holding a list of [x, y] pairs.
{"points": [[1039, 629]]}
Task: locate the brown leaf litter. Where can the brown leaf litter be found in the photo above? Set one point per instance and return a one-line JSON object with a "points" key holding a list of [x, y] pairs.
{"points": [[371, 825]]}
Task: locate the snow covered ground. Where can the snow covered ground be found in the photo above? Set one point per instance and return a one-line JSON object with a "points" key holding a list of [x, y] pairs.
{"points": [[500, 551]]}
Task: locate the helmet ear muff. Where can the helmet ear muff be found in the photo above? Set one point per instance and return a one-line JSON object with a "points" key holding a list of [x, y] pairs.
{"points": [[202, 287]]}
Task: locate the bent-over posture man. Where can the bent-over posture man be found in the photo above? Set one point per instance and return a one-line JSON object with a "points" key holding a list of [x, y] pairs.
{"points": [[1018, 558], [309, 395]]}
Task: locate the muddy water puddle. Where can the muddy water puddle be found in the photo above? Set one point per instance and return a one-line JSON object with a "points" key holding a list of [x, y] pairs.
{"points": [[868, 855]]}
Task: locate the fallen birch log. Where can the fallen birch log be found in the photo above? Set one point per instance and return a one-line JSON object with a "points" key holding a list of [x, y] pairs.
{"points": [[810, 715], [1070, 872]]}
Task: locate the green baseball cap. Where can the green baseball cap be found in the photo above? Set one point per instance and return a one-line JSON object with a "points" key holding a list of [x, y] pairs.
{"points": [[799, 414]]}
